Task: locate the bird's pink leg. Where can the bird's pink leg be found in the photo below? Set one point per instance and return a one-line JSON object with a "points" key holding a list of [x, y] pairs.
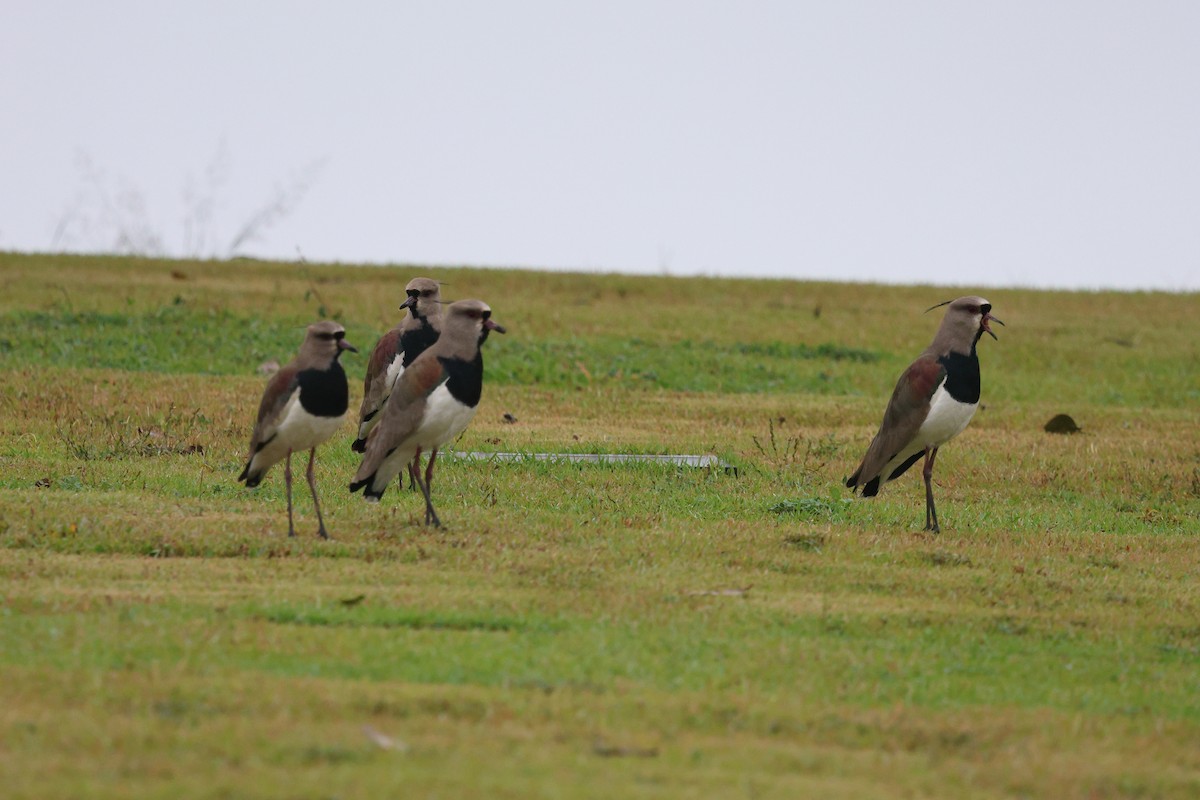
{"points": [[312, 485], [430, 514], [931, 523], [287, 479], [414, 471], [429, 468]]}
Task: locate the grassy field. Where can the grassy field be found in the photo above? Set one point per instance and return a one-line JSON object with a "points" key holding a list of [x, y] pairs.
{"points": [[577, 630]]}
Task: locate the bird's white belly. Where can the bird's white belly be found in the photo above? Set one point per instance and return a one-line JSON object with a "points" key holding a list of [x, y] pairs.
{"points": [[445, 418], [301, 430], [947, 418]]}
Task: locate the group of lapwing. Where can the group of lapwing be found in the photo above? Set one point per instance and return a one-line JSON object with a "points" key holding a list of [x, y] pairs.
{"points": [[425, 378], [422, 388]]}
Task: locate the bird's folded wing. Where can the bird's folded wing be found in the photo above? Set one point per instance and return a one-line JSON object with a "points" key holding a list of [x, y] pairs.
{"points": [[905, 413], [377, 367], [281, 387], [404, 409]]}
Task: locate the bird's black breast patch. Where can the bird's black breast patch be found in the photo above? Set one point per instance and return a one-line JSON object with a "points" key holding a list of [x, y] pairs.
{"points": [[323, 392], [962, 376], [415, 342], [465, 379]]}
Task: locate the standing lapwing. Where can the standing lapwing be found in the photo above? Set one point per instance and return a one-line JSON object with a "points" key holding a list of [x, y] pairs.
{"points": [[432, 402], [398, 348], [303, 405], [932, 403]]}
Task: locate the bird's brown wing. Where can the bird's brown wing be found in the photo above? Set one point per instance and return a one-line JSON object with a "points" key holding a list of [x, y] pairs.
{"points": [[403, 411], [279, 391], [375, 382], [905, 412]]}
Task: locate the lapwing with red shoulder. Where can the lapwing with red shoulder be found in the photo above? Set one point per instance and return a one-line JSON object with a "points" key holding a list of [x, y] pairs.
{"points": [[304, 404], [432, 402], [933, 402], [398, 348]]}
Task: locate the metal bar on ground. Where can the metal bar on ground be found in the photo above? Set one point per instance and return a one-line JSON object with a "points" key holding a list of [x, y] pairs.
{"points": [[702, 461]]}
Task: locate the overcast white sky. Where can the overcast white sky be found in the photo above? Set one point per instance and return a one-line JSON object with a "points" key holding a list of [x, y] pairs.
{"points": [[979, 143]]}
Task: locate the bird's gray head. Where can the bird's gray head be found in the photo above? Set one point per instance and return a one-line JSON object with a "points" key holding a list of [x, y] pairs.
{"points": [[473, 315], [326, 340], [424, 298], [969, 317]]}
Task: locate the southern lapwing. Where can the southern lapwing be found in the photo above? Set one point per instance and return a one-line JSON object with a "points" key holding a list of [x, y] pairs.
{"points": [[398, 348], [303, 405], [432, 402], [933, 401]]}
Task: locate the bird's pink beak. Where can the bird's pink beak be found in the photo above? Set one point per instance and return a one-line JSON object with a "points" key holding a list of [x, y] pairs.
{"points": [[493, 326], [986, 328], [344, 345]]}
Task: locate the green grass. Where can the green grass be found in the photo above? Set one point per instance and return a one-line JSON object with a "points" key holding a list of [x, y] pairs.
{"points": [[581, 630], [177, 340]]}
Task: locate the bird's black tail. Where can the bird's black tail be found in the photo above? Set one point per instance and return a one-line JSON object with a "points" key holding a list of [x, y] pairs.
{"points": [[365, 485], [251, 480]]}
